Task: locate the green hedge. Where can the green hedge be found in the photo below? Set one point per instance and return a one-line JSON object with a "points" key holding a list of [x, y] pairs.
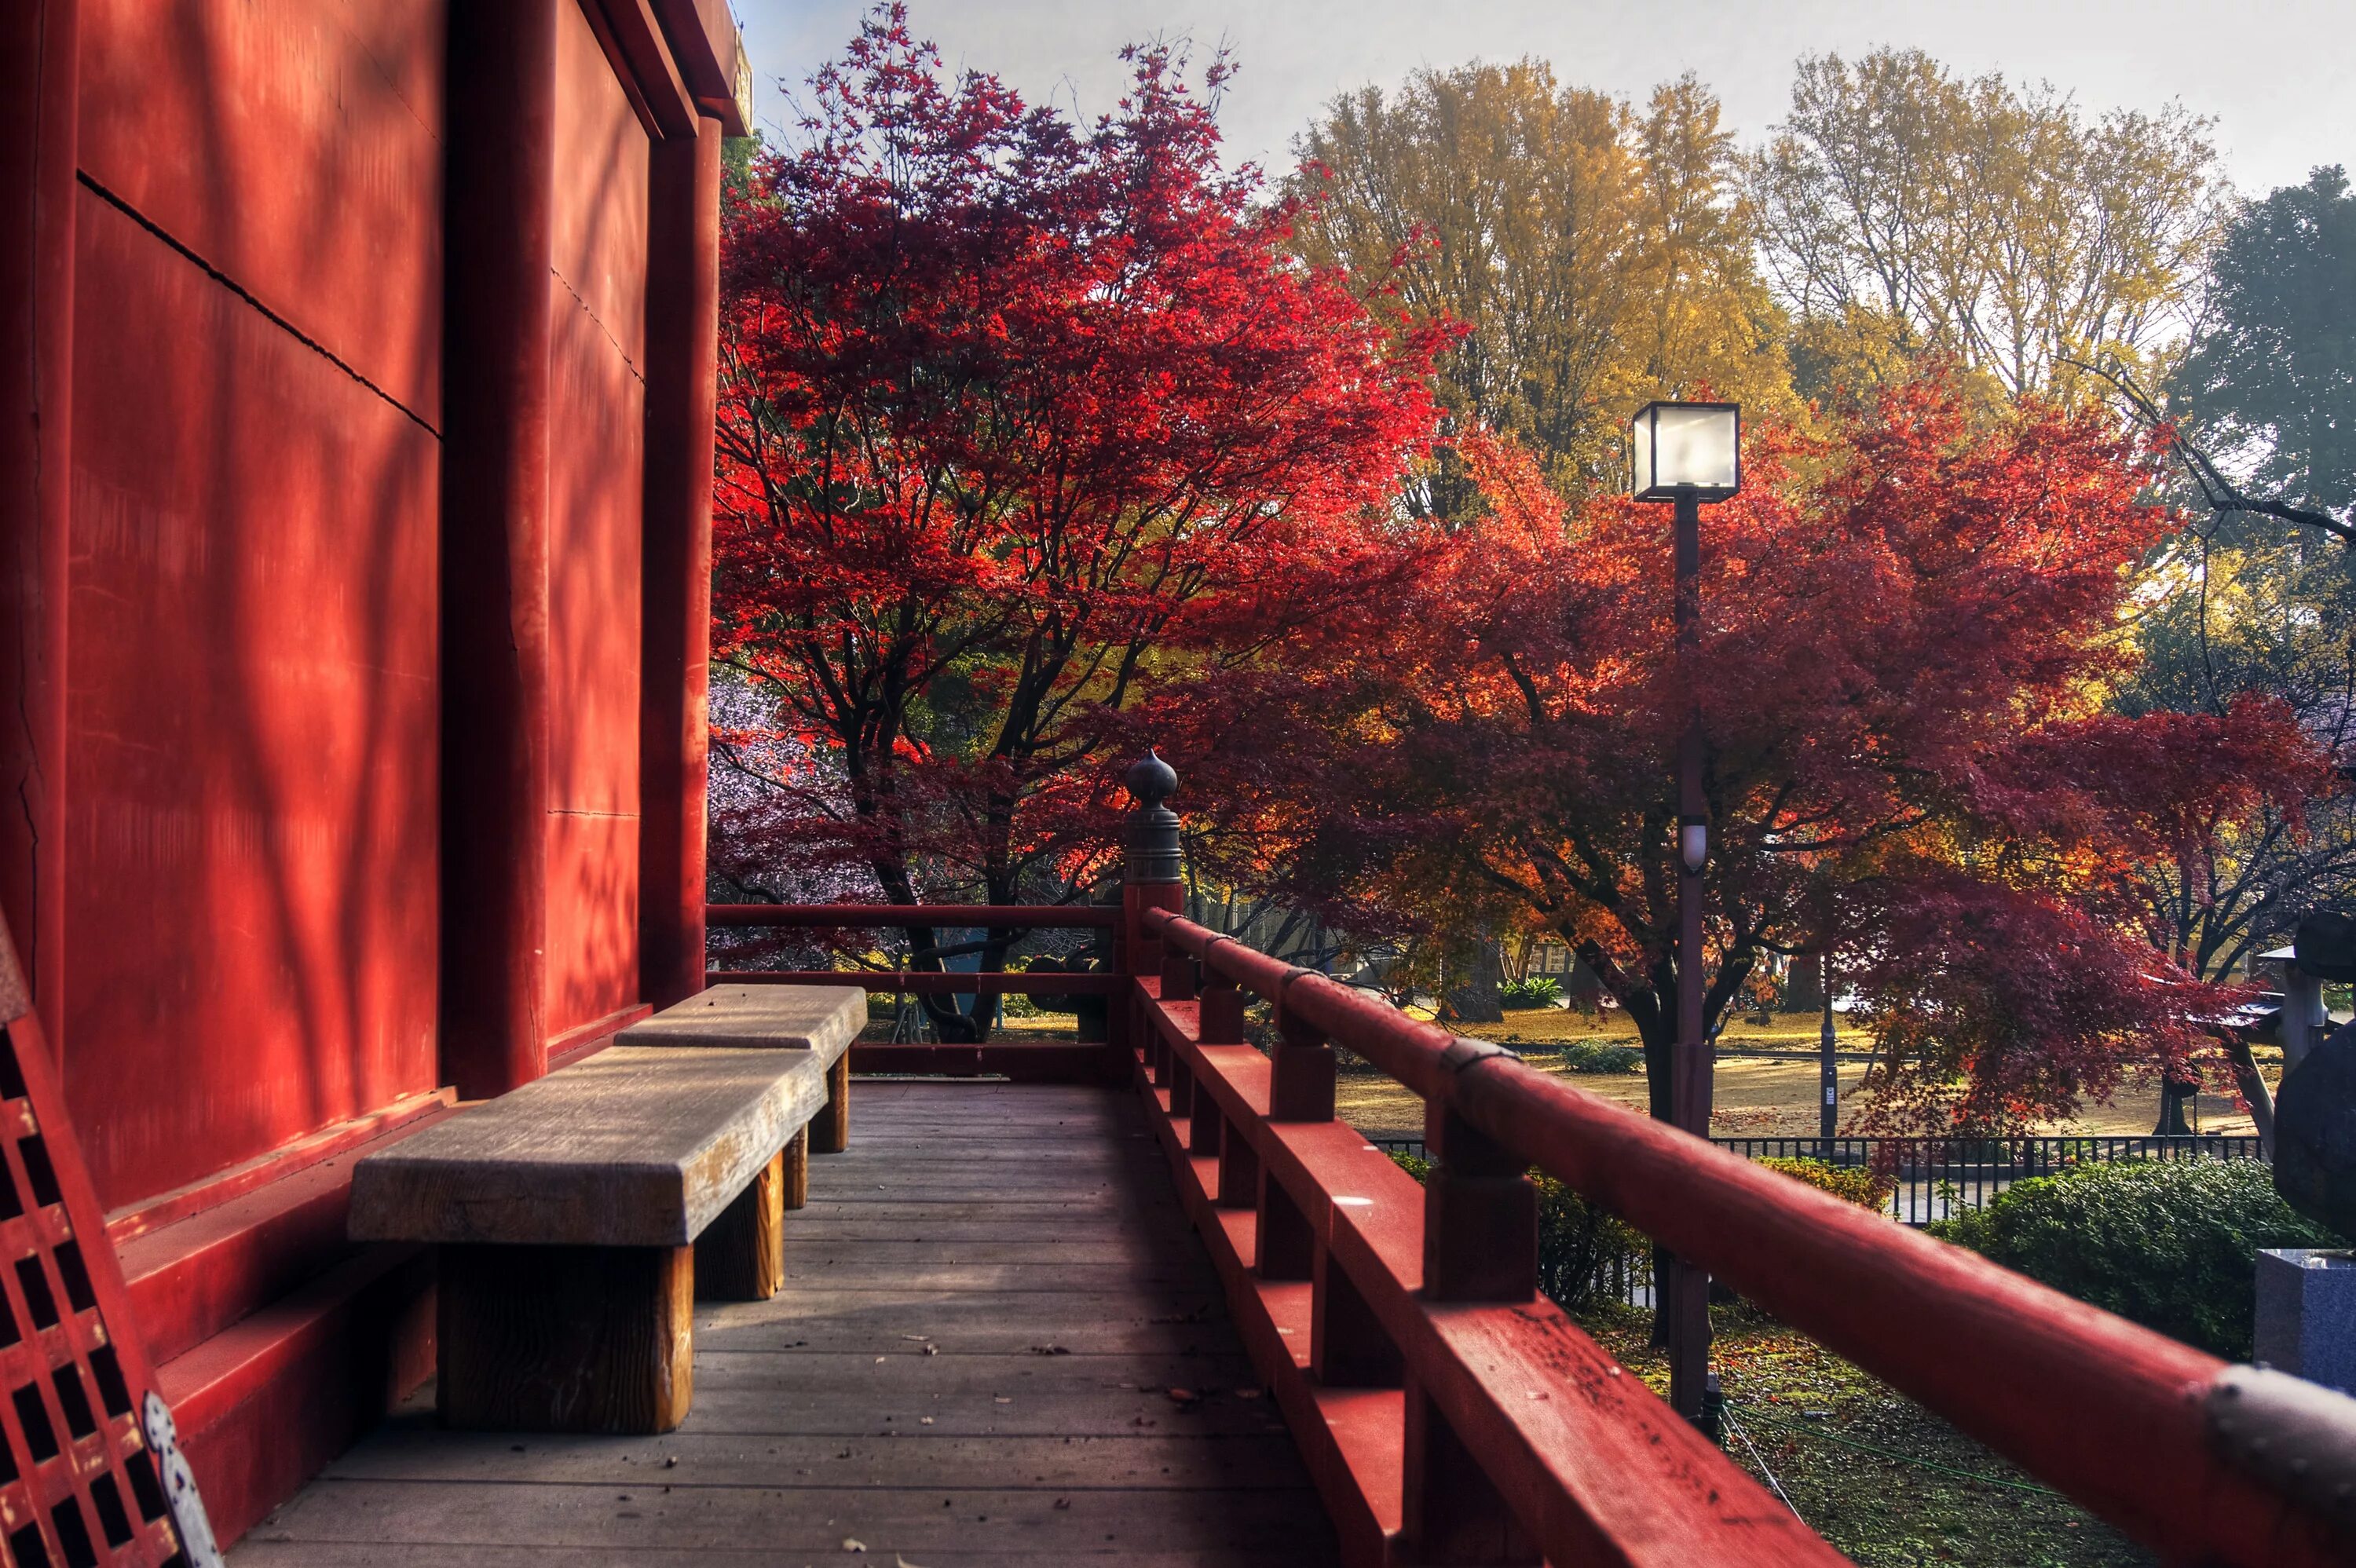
{"points": [[2170, 1243], [1849, 1183], [1597, 1056]]}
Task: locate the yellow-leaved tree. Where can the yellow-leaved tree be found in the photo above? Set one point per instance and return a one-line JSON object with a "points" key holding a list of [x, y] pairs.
{"points": [[1904, 210], [1593, 254]]}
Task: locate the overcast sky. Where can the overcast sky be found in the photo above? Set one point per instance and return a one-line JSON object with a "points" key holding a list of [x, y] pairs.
{"points": [[2275, 74]]}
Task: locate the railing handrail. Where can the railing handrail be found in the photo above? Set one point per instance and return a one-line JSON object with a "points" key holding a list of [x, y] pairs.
{"points": [[2145, 1434], [858, 917]]}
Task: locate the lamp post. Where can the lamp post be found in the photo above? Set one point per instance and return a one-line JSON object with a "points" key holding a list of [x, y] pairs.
{"points": [[1687, 454]]}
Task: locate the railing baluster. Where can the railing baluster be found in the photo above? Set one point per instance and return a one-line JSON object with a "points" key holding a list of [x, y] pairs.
{"points": [[1205, 1125], [1480, 1243], [1288, 1243], [1301, 1074], [1239, 1168]]}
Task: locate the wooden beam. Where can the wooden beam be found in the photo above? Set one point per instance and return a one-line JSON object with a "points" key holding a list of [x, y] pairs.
{"points": [[500, 199], [627, 32], [682, 332], [38, 87]]}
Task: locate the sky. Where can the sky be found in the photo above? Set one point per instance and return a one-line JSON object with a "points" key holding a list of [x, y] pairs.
{"points": [[2272, 73]]}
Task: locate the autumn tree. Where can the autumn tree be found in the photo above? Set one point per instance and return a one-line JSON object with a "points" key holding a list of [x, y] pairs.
{"points": [[1015, 413], [2257, 598], [1591, 253], [1911, 621], [1906, 209]]}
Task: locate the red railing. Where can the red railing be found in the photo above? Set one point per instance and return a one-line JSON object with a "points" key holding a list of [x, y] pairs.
{"points": [[932, 982], [1451, 1413], [1026, 1059], [1439, 1399]]}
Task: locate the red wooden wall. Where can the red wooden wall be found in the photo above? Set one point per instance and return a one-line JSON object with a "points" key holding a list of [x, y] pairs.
{"points": [[355, 365], [252, 670], [235, 869]]}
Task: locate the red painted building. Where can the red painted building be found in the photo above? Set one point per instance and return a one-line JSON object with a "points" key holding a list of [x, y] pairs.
{"points": [[355, 434]]}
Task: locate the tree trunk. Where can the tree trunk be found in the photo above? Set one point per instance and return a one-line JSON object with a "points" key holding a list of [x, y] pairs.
{"points": [[1473, 997], [2252, 1086]]}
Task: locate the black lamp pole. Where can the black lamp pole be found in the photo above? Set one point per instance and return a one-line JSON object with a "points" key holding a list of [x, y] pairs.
{"points": [[1689, 1064]]}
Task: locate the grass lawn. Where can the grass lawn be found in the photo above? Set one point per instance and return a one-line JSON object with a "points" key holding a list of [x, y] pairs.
{"points": [[1754, 1096], [1875, 1474]]}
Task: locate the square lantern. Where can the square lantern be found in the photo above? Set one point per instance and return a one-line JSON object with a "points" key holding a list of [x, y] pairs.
{"points": [[1686, 448]]}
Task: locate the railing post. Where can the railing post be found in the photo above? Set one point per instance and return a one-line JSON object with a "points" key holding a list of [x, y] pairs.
{"points": [[1480, 1244], [1151, 867], [1301, 1074]]}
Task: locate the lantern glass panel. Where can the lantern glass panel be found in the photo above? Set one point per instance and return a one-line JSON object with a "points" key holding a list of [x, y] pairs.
{"points": [[1694, 446], [1677, 449]]}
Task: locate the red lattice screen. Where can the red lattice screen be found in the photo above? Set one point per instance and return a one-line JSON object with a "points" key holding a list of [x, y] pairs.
{"points": [[80, 1485]]}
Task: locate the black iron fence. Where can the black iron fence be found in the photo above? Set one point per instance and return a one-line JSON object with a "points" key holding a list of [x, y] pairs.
{"points": [[1931, 1178]]}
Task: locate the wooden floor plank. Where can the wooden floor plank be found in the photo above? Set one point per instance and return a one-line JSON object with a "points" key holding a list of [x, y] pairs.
{"points": [[989, 1301]]}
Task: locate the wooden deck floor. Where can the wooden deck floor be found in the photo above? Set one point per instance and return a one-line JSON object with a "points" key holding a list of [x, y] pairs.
{"points": [[989, 1302]]}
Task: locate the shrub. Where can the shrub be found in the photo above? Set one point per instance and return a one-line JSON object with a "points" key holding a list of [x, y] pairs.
{"points": [[1597, 1056], [1538, 991], [1849, 1183], [2170, 1243], [1580, 1246]]}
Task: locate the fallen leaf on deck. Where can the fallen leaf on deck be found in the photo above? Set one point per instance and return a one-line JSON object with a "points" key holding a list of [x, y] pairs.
{"points": [[851, 1544]]}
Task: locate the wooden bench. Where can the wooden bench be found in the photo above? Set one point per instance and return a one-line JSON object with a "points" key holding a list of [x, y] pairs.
{"points": [[821, 1019], [579, 1216]]}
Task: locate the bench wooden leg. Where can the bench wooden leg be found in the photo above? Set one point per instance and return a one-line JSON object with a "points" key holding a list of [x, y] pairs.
{"points": [[740, 1256], [830, 1130], [798, 1170], [566, 1338]]}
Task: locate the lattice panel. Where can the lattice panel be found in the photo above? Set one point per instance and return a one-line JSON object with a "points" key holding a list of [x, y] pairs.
{"points": [[80, 1484]]}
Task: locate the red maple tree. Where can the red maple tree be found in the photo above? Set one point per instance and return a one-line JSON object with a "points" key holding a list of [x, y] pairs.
{"points": [[1014, 415], [1909, 625]]}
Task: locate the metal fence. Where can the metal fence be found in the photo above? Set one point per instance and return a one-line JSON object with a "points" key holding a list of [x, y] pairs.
{"points": [[1934, 1178]]}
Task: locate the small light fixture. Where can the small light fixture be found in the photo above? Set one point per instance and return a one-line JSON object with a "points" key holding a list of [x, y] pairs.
{"points": [[1692, 449], [1693, 841]]}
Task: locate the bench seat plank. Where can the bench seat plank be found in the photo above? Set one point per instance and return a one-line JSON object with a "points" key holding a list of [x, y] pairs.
{"points": [[635, 1147], [819, 1019]]}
